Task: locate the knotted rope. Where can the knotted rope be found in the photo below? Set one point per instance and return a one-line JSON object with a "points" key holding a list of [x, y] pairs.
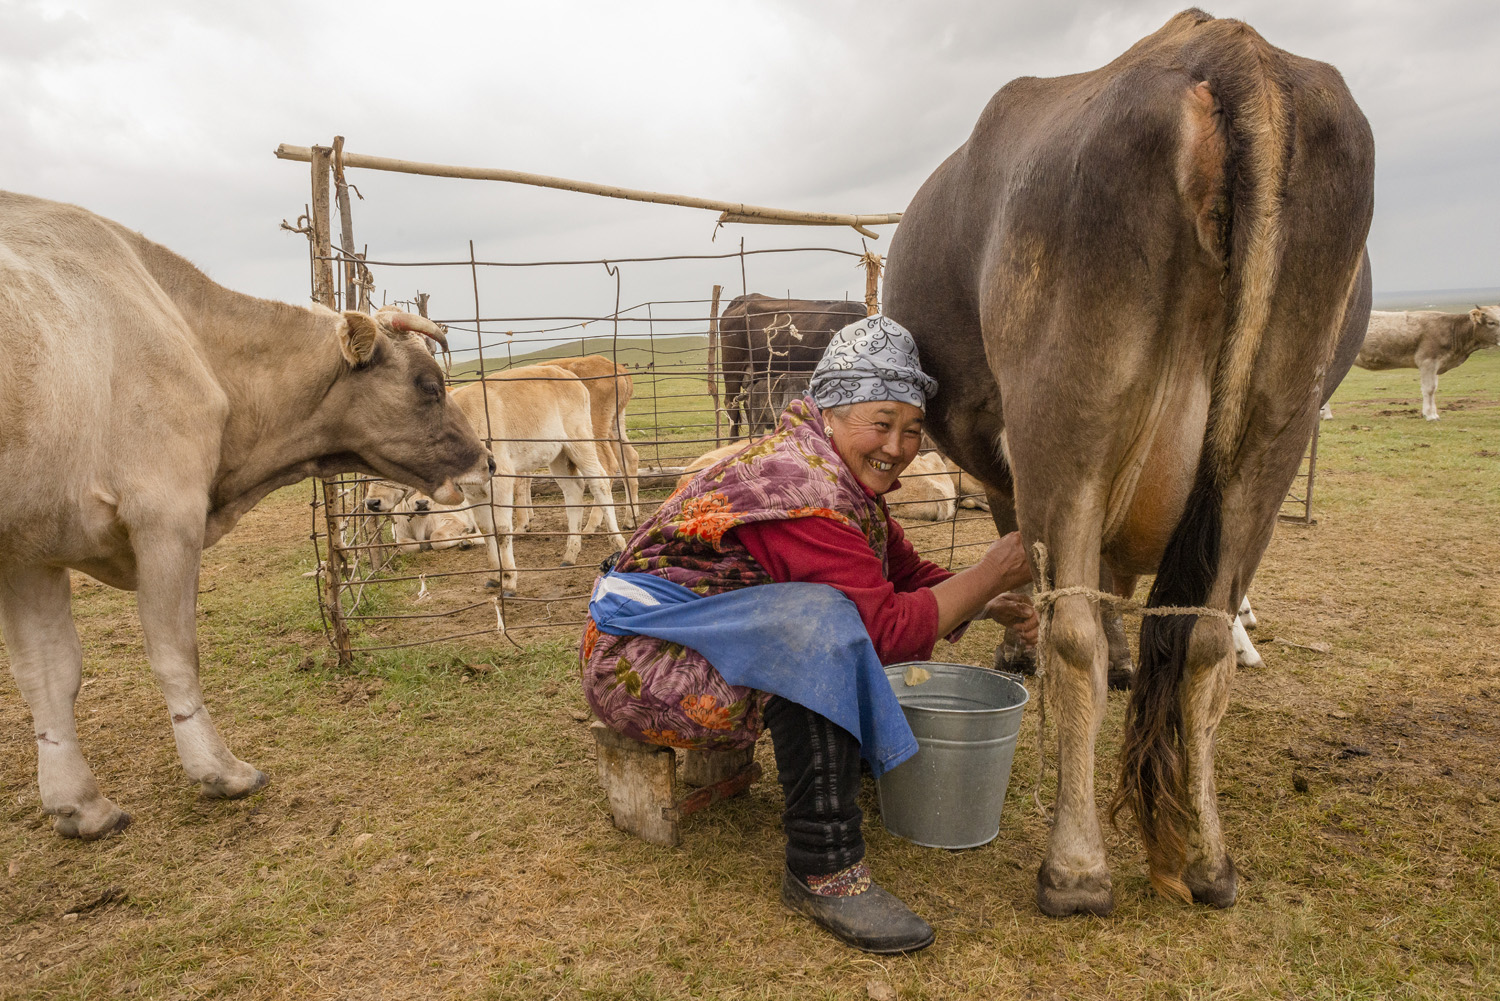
{"points": [[1044, 600]]}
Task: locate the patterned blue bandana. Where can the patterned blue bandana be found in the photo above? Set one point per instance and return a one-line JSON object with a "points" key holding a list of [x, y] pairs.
{"points": [[871, 360]]}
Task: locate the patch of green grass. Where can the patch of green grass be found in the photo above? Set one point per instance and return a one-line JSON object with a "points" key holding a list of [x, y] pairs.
{"points": [[434, 825]]}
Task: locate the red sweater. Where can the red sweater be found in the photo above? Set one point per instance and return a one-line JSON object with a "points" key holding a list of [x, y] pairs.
{"points": [[900, 612]]}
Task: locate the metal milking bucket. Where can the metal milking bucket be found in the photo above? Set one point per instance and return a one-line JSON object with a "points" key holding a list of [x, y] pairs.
{"points": [[965, 719]]}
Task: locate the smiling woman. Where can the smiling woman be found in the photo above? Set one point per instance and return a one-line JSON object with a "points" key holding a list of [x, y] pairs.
{"points": [[769, 590]]}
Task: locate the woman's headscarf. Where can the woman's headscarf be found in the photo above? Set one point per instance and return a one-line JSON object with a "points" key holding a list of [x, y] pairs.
{"points": [[871, 360]]}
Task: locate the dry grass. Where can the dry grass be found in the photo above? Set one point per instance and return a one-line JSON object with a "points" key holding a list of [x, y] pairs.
{"points": [[434, 828]]}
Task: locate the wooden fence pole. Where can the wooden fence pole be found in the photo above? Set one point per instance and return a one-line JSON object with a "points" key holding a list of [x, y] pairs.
{"points": [[346, 226], [324, 292], [713, 364], [872, 263]]}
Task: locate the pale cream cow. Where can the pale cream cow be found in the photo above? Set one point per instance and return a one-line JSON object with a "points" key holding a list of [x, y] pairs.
{"points": [[143, 410], [1428, 341], [530, 417]]}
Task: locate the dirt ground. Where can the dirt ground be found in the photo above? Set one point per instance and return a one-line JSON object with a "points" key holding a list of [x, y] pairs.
{"points": [[434, 826]]}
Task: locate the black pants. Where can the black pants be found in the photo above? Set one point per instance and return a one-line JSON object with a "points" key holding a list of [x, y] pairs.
{"points": [[818, 764]]}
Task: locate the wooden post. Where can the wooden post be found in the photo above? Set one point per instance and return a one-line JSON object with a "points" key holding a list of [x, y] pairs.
{"points": [[713, 364], [346, 226], [334, 567], [872, 263]]}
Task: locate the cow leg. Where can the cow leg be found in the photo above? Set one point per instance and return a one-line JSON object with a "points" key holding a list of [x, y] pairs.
{"points": [[1245, 653], [493, 511], [47, 661], [1074, 876], [1209, 673], [568, 479], [1247, 614], [1121, 667], [1429, 389], [167, 563], [599, 489], [632, 478], [521, 519]]}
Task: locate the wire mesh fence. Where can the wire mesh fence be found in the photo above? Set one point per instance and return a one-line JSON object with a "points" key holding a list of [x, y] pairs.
{"points": [[593, 419]]}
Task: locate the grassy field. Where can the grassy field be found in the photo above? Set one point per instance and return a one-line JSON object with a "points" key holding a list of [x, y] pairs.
{"points": [[434, 827]]}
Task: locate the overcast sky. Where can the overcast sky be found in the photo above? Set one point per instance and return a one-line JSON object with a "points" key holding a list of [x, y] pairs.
{"points": [[163, 114]]}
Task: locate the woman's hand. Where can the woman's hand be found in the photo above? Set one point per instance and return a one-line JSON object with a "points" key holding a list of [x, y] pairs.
{"points": [[1017, 612], [966, 594], [1007, 558]]}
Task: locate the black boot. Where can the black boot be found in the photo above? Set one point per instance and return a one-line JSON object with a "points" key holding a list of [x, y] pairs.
{"points": [[819, 766], [875, 920]]}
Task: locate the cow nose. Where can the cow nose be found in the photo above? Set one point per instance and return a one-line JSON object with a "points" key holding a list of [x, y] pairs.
{"points": [[373, 504], [490, 461], [422, 505]]}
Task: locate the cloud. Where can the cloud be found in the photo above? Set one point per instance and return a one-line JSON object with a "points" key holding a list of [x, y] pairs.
{"points": [[164, 116]]}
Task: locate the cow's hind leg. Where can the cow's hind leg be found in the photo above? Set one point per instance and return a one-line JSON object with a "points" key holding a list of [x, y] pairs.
{"points": [[1074, 877], [47, 662], [167, 562], [1209, 673], [568, 481]]}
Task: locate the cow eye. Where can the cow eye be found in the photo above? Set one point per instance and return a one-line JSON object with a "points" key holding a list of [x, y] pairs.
{"points": [[430, 388]]}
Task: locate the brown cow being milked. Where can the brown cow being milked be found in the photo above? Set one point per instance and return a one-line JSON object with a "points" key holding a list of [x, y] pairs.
{"points": [[146, 409], [1130, 284], [761, 338]]}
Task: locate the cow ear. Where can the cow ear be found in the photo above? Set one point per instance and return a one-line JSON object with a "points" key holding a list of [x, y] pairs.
{"points": [[357, 335]]}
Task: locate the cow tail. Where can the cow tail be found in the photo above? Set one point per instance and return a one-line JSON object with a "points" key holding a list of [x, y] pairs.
{"points": [[1241, 214]]}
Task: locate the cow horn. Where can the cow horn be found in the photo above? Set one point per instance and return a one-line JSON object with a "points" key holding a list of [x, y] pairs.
{"points": [[411, 323]]}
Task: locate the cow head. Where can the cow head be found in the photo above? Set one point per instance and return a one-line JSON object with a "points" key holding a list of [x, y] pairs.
{"points": [[383, 496], [391, 411], [1487, 324]]}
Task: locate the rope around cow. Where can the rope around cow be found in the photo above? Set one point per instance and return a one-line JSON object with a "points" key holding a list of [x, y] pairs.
{"points": [[1044, 600]]}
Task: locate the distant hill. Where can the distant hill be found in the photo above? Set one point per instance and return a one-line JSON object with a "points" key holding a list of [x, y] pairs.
{"points": [[1446, 300], [687, 351]]}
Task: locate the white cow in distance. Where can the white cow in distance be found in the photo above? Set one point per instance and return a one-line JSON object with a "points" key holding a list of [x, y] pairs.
{"points": [[143, 410], [1428, 341]]}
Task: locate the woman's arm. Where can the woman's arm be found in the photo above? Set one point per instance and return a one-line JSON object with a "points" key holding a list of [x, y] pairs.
{"points": [[902, 626]]}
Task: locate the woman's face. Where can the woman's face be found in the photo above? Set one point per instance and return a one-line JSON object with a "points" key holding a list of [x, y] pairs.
{"points": [[877, 441]]}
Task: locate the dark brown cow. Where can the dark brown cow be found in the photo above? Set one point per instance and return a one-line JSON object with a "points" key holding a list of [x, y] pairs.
{"points": [[1131, 283], [760, 337]]}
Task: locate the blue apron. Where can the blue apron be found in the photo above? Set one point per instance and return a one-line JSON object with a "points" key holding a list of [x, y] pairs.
{"points": [[804, 642]]}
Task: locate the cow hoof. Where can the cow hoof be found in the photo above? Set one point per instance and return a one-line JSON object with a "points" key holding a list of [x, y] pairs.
{"points": [[223, 789], [1214, 889], [1059, 893], [567, 563], [1432, 417], [1015, 659], [91, 825]]}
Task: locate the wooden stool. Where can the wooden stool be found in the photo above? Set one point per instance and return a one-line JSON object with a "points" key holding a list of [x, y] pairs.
{"points": [[641, 782]]}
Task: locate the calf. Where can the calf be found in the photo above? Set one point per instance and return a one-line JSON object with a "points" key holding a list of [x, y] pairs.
{"points": [[537, 415], [1428, 341], [610, 389]]}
